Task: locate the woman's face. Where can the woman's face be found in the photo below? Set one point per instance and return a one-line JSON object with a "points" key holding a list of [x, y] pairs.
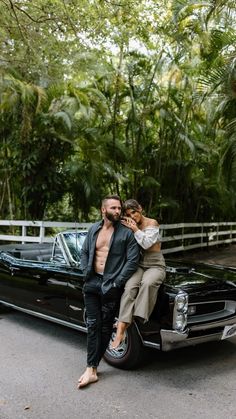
{"points": [[136, 215]]}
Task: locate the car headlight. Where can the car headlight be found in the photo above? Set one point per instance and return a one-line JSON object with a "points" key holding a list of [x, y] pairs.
{"points": [[180, 313]]}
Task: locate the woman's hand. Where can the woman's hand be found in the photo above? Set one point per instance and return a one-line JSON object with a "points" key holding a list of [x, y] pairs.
{"points": [[130, 223]]}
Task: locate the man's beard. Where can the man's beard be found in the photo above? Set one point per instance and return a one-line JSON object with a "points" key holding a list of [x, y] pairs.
{"points": [[111, 217]]}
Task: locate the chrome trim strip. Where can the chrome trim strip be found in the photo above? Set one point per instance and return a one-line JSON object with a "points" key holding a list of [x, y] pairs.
{"points": [[146, 342], [151, 344], [46, 317], [75, 308], [221, 323], [138, 331]]}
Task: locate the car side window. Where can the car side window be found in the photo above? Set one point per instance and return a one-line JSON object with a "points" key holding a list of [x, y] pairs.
{"points": [[57, 255]]}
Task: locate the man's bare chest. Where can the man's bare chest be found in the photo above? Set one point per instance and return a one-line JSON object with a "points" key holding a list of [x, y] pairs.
{"points": [[104, 238]]}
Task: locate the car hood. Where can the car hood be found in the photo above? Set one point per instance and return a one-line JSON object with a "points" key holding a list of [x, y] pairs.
{"points": [[200, 277]]}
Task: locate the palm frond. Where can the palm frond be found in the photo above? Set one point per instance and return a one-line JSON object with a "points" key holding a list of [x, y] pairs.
{"points": [[64, 117]]}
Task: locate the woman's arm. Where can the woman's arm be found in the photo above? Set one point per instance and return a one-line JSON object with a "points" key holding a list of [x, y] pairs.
{"points": [[148, 237]]}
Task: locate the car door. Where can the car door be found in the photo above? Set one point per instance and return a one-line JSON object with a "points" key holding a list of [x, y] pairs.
{"points": [[34, 285], [75, 296]]}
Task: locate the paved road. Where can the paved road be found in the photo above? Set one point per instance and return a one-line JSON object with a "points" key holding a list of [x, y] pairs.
{"points": [[40, 363], [225, 255]]}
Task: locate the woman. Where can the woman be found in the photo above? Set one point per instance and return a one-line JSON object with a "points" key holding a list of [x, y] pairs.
{"points": [[141, 289]]}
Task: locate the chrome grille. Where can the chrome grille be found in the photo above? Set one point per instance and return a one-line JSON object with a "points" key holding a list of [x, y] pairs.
{"points": [[205, 308], [211, 311]]}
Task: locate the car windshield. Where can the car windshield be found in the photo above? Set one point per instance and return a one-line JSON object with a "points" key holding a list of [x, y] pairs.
{"points": [[74, 242]]}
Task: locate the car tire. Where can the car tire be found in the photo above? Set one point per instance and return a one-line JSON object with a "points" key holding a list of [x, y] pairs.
{"points": [[130, 353]]}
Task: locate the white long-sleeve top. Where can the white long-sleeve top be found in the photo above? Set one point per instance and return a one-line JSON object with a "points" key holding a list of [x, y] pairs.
{"points": [[148, 237]]}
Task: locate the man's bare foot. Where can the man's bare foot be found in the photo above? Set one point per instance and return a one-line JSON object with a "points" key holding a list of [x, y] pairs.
{"points": [[88, 377]]}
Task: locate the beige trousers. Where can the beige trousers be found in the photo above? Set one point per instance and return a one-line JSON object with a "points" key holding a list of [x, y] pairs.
{"points": [[140, 293]]}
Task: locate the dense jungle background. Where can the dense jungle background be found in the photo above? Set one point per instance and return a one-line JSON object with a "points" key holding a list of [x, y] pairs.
{"points": [[135, 97]]}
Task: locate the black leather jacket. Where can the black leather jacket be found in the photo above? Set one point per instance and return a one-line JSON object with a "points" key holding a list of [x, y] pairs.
{"points": [[122, 259]]}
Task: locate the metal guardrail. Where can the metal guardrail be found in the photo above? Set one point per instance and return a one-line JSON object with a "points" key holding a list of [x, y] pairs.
{"points": [[21, 228], [175, 237], [187, 236]]}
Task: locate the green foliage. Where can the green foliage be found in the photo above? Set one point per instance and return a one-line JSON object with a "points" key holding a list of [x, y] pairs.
{"points": [[133, 97]]}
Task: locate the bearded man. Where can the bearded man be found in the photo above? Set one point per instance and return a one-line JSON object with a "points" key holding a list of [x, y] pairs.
{"points": [[110, 255]]}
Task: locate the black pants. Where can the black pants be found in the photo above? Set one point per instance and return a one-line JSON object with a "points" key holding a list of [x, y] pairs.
{"points": [[101, 310]]}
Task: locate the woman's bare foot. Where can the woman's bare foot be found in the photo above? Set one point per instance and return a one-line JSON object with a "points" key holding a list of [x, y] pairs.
{"points": [[120, 335], [117, 341], [88, 377]]}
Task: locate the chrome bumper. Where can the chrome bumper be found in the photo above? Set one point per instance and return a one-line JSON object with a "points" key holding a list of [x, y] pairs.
{"points": [[171, 339]]}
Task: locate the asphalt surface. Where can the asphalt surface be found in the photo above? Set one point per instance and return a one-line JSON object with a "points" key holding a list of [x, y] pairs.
{"points": [[222, 255], [40, 363]]}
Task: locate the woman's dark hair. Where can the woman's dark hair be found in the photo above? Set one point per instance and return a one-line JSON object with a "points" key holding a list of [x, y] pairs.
{"points": [[131, 204]]}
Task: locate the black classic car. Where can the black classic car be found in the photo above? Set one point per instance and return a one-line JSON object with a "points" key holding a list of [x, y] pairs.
{"points": [[196, 304]]}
